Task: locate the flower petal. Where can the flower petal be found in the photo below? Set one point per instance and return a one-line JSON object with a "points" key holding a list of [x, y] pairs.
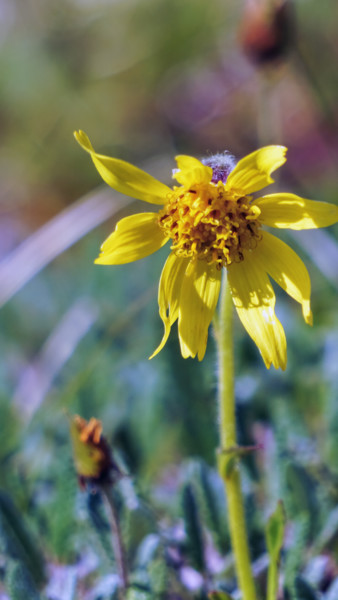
{"points": [[169, 293], [135, 237], [287, 269], [198, 300], [253, 172], [191, 171], [255, 300], [124, 177], [293, 212]]}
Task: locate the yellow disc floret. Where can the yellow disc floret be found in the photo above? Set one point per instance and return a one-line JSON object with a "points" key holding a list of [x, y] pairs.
{"points": [[211, 223]]}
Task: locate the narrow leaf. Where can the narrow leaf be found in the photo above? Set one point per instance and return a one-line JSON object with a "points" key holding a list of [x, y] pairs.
{"points": [[193, 527], [19, 583], [17, 541], [218, 595], [304, 591], [274, 533]]}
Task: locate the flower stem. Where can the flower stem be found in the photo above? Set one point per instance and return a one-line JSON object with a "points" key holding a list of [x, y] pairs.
{"points": [[229, 471], [119, 551], [272, 587]]}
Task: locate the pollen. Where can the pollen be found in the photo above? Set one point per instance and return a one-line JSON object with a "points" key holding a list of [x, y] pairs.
{"points": [[210, 223]]}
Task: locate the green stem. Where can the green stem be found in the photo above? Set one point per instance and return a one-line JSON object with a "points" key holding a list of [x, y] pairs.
{"points": [[272, 588], [119, 551], [227, 425]]}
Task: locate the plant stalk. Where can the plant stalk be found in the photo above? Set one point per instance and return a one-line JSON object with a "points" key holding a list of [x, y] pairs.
{"points": [[227, 428], [272, 587], [119, 551]]}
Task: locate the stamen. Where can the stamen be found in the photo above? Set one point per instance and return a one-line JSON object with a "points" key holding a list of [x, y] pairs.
{"points": [[210, 223]]}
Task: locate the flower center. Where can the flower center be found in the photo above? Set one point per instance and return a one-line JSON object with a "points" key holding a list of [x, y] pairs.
{"points": [[211, 223]]}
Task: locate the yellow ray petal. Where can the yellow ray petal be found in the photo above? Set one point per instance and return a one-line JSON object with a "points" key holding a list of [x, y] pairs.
{"points": [[287, 269], [135, 237], [253, 172], [255, 300], [191, 171], [198, 300], [293, 212], [124, 177], [169, 293]]}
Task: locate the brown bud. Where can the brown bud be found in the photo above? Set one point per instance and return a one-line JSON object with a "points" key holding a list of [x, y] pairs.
{"points": [[92, 455], [267, 30]]}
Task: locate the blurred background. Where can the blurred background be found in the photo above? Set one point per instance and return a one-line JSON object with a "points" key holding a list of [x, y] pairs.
{"points": [[147, 79]]}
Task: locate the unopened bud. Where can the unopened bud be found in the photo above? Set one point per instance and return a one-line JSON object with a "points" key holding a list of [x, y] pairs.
{"points": [[92, 454], [267, 30]]}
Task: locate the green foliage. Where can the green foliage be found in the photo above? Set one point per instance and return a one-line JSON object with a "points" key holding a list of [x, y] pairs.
{"points": [[328, 537], [137, 593], [9, 430], [193, 527], [137, 523], [275, 532], [19, 582], [61, 511], [295, 555], [17, 542], [147, 550], [158, 576], [303, 590], [98, 519], [219, 596], [302, 499], [213, 505]]}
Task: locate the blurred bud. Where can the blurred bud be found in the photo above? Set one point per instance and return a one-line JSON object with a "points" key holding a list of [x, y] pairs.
{"points": [[92, 454], [267, 30]]}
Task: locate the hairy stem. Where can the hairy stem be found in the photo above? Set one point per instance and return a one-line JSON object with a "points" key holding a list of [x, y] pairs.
{"points": [[229, 471]]}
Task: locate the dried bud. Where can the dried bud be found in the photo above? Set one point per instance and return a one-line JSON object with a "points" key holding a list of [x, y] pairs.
{"points": [[92, 454], [267, 29]]}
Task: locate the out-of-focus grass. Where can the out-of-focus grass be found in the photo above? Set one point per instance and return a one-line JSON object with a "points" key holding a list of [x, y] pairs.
{"points": [[148, 79]]}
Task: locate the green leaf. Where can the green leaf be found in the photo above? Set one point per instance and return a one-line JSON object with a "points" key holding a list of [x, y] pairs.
{"points": [[61, 510], [302, 492], [147, 550], [275, 531], [304, 591], [217, 595], [295, 555], [227, 462], [139, 588], [19, 583], [229, 458], [100, 524], [158, 575], [328, 536], [193, 527], [214, 505], [16, 540]]}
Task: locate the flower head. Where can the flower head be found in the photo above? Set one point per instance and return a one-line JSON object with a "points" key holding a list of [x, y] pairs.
{"points": [[213, 223]]}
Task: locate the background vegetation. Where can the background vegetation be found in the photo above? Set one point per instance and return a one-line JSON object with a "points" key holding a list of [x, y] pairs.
{"points": [[147, 79]]}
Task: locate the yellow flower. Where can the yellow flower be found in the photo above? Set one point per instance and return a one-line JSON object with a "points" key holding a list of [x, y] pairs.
{"points": [[213, 225]]}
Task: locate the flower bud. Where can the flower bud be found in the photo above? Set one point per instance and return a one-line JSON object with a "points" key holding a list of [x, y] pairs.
{"points": [[267, 30], [92, 454]]}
